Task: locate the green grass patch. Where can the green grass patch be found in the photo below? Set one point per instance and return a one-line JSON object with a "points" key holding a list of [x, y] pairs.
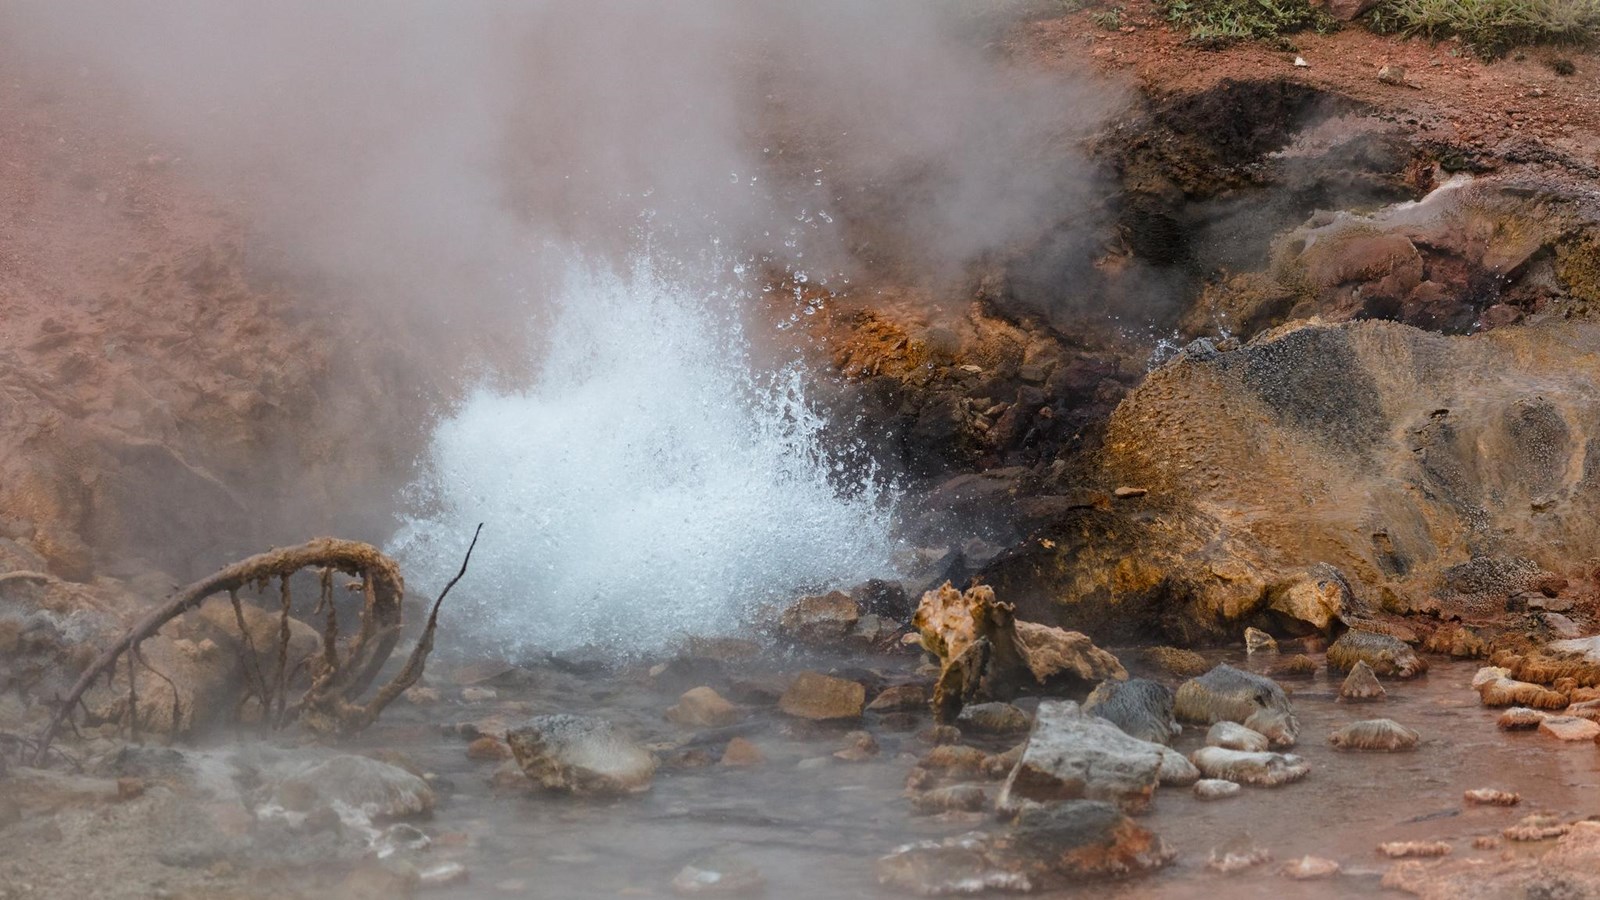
{"points": [[1222, 22], [1491, 27]]}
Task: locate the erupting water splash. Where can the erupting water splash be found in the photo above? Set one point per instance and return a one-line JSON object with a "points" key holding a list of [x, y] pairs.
{"points": [[650, 483]]}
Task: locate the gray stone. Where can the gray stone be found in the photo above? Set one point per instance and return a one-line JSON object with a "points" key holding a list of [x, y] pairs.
{"points": [[1072, 756]]}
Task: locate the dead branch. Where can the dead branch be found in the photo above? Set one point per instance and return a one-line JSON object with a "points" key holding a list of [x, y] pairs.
{"points": [[335, 689]]}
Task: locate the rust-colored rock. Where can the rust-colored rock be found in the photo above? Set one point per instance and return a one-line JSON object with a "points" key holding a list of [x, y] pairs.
{"points": [[820, 697], [985, 653], [703, 707]]}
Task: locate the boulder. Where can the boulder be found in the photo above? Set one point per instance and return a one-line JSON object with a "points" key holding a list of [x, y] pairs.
{"points": [[1072, 756], [1139, 706], [1227, 694], [819, 697], [581, 755], [1385, 654]]}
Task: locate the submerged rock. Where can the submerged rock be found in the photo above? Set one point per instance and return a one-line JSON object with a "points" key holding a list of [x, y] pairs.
{"points": [[1361, 684], [820, 697], [581, 755], [900, 698], [1386, 655], [1072, 756], [1139, 706], [1376, 734], [375, 790], [1233, 736], [719, 875], [1215, 789], [1569, 728], [1258, 641], [1308, 868], [993, 718], [703, 707], [1260, 769], [967, 864], [1084, 838], [1409, 849], [1520, 718], [1491, 797], [1232, 695], [741, 752]]}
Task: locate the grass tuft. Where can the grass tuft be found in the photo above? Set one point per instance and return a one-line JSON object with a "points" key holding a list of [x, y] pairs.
{"points": [[1223, 22], [1492, 27]]}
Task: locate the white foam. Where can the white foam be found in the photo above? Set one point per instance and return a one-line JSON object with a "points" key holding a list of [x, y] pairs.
{"points": [[649, 484]]}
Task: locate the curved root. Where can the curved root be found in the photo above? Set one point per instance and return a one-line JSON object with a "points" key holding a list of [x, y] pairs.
{"points": [[332, 703]]}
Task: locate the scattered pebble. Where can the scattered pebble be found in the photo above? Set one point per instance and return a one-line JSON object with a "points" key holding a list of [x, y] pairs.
{"points": [[859, 746], [1395, 75], [1127, 492]]}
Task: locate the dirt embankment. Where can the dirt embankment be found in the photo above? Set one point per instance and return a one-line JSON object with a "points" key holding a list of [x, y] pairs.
{"points": [[170, 399]]}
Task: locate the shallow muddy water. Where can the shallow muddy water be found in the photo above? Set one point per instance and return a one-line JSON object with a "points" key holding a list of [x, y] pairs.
{"points": [[814, 825]]}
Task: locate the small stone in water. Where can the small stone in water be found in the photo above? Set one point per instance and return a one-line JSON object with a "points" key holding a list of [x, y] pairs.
{"points": [[958, 797], [1256, 641], [1230, 862], [1233, 736], [821, 697], [1518, 718], [1569, 728], [741, 752], [717, 876], [443, 875], [1362, 684], [421, 696], [1215, 789], [858, 747], [1375, 734], [1492, 797], [900, 697], [1307, 868], [994, 718], [488, 747], [1412, 849], [1486, 842], [703, 707], [479, 694]]}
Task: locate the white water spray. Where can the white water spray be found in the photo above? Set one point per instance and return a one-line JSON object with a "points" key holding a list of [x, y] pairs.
{"points": [[651, 483]]}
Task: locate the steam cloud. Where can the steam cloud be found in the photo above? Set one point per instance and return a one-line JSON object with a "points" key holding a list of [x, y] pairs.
{"points": [[552, 167], [420, 150]]}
